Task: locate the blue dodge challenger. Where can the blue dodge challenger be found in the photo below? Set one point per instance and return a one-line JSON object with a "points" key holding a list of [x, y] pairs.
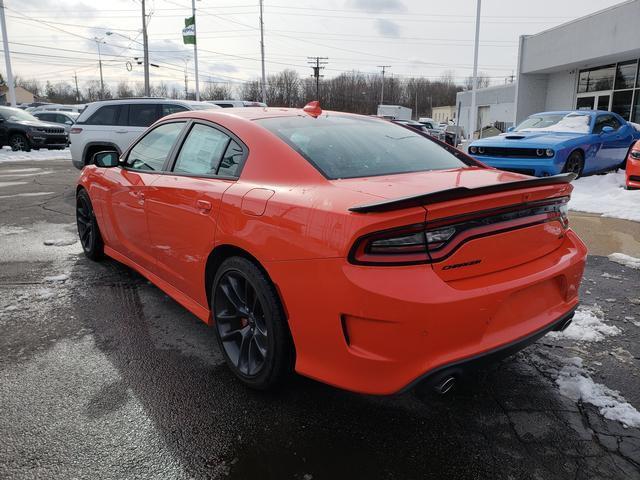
{"points": [[548, 143]]}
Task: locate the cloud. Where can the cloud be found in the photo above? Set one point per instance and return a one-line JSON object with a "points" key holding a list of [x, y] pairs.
{"points": [[387, 28], [377, 6]]}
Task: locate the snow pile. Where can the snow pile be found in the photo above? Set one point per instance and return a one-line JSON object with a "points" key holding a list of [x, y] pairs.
{"points": [[625, 260], [605, 194], [575, 383], [587, 326], [7, 155]]}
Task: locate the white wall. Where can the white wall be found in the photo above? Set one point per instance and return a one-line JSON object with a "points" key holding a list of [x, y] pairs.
{"points": [[604, 36], [561, 90], [531, 95], [500, 99]]}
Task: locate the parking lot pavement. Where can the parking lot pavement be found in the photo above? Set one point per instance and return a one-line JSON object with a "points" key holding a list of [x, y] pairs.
{"points": [[103, 376]]}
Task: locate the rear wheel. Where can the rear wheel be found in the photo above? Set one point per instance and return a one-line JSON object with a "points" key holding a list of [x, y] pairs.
{"points": [[252, 330], [574, 163], [88, 230], [18, 142]]}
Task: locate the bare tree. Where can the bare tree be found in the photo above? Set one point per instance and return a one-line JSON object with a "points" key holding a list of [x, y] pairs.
{"points": [[123, 90]]}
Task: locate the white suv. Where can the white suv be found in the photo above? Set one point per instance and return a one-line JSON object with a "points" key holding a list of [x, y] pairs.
{"points": [[115, 124]]}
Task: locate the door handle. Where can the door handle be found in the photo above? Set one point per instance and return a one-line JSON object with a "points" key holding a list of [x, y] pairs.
{"points": [[121, 131], [203, 205]]}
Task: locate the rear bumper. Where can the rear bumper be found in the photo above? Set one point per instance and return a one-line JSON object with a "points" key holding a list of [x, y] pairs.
{"points": [[378, 330], [463, 368], [529, 166]]}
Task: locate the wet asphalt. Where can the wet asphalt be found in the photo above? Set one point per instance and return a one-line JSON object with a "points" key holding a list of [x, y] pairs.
{"points": [[104, 376]]}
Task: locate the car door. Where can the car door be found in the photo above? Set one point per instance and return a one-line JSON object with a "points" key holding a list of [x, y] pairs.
{"points": [[142, 165], [183, 205], [614, 144]]}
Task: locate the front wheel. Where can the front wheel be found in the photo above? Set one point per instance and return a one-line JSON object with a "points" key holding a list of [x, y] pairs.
{"points": [[19, 142], [574, 164], [252, 330], [88, 230]]}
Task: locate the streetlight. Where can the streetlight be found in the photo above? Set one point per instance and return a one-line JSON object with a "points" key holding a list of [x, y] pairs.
{"points": [[98, 42]]}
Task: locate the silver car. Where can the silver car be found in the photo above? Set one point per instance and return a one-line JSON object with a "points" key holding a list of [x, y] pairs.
{"points": [[66, 119]]}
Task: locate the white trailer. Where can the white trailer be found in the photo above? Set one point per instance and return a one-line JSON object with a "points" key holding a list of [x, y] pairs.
{"points": [[396, 112]]}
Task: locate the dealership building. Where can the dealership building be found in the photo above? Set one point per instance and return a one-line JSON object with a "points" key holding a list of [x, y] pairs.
{"points": [[588, 63]]}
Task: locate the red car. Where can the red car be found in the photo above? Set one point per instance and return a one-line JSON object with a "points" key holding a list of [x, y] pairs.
{"points": [[349, 249], [633, 167]]}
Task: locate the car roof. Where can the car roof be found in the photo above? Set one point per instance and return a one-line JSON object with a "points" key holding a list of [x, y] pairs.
{"points": [[256, 113]]}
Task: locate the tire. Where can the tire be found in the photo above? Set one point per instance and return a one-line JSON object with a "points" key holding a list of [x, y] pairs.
{"points": [[574, 164], [251, 328], [88, 231], [19, 142]]}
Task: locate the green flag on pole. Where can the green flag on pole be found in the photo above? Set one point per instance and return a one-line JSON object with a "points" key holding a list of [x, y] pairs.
{"points": [[189, 31]]}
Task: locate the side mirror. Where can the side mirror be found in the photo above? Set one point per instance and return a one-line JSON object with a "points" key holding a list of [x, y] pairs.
{"points": [[106, 159], [607, 129], [68, 122], [511, 129]]}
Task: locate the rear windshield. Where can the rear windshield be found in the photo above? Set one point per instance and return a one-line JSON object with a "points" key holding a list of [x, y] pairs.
{"points": [[349, 147]]}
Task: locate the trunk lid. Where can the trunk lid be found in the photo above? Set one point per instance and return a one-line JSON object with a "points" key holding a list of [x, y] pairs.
{"points": [[501, 219]]}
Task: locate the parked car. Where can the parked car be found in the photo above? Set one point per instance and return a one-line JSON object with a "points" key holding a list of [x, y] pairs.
{"points": [[434, 132], [22, 131], [432, 128], [632, 167], [56, 107], [453, 135], [236, 103], [114, 124], [347, 248], [66, 119], [548, 143]]}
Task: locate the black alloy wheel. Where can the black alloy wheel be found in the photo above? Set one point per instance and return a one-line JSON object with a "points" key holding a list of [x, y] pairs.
{"points": [[251, 328], [19, 142], [88, 230], [574, 164]]}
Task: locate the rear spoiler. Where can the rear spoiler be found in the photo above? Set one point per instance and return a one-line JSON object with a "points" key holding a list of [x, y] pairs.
{"points": [[460, 192]]}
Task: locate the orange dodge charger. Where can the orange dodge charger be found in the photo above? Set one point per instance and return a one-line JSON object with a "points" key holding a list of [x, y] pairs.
{"points": [[352, 250]]}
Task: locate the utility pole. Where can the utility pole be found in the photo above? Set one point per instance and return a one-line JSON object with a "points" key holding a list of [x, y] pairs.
{"points": [[98, 42], [317, 65], [7, 57], [186, 80], [474, 113], [75, 77], [264, 80], [384, 68], [195, 49], [145, 46]]}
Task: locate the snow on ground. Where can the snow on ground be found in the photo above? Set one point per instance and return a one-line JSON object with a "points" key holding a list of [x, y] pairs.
{"points": [[7, 155], [605, 194], [575, 383], [587, 326], [625, 260]]}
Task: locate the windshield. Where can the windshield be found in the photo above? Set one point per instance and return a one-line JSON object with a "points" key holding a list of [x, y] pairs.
{"points": [[349, 147], [16, 115], [556, 122]]}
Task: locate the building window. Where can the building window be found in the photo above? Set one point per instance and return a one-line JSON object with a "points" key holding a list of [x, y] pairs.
{"points": [[626, 74], [596, 79], [622, 103], [635, 117]]}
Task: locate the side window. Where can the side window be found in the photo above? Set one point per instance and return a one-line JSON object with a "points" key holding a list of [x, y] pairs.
{"points": [[107, 115], [201, 151], [152, 150], [225, 105], [143, 114], [169, 108], [231, 160], [605, 121], [61, 118]]}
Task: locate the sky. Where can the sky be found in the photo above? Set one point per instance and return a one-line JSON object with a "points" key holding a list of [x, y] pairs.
{"points": [[55, 39]]}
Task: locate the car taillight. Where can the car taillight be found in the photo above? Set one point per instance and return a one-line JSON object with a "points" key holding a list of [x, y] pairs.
{"points": [[434, 241], [75, 130], [635, 151]]}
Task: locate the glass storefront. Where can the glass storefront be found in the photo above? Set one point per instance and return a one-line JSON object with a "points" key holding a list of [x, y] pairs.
{"points": [[614, 87]]}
